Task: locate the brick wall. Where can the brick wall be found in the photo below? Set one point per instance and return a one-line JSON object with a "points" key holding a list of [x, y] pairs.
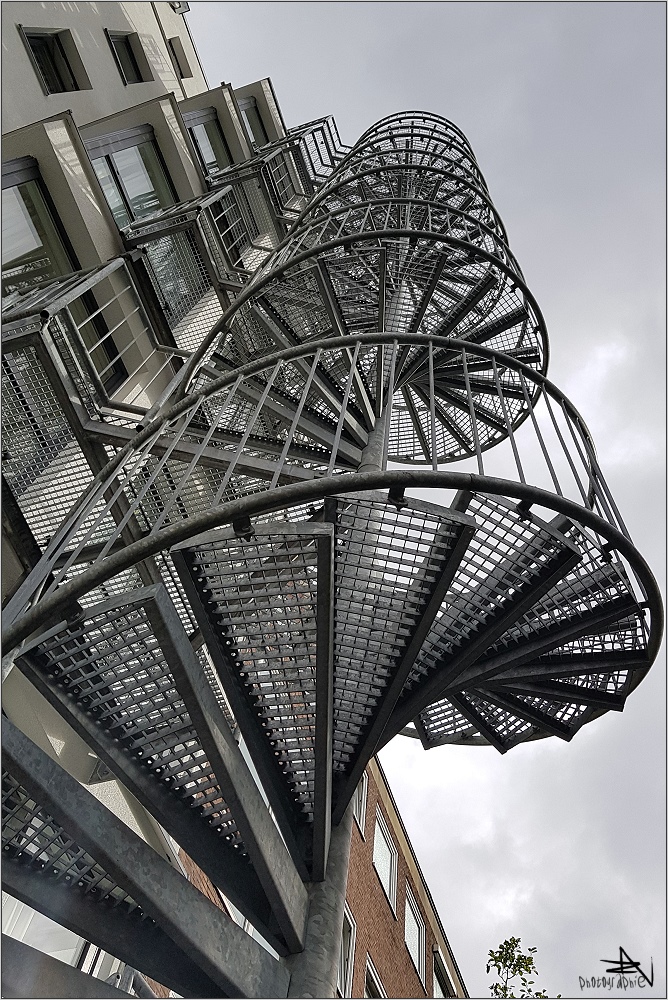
{"points": [[379, 928]]}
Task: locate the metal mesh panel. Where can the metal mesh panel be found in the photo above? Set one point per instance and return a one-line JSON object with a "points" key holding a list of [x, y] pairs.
{"points": [[112, 664], [503, 556], [32, 836], [386, 564], [261, 597]]}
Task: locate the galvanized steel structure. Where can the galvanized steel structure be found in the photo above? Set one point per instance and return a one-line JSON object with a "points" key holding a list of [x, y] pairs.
{"points": [[251, 559]]}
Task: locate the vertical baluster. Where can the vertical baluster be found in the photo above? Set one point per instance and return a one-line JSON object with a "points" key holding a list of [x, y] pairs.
{"points": [[344, 408], [565, 449], [474, 422], [390, 399], [295, 419], [246, 434], [541, 442], [508, 421], [203, 444], [432, 409]]}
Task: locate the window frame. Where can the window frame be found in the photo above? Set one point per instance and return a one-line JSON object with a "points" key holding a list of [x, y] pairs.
{"points": [[411, 904], [244, 104], [63, 39], [191, 119], [441, 974], [24, 169], [370, 972], [346, 989], [104, 146], [179, 58], [361, 794], [382, 826], [128, 37]]}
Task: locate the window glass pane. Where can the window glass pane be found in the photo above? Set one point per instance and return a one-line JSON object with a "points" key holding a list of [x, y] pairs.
{"points": [[126, 58], [111, 191], [359, 802], [345, 957], [383, 860], [146, 187], [52, 61], [412, 934], [442, 987], [255, 124], [32, 249], [370, 986], [211, 146]]}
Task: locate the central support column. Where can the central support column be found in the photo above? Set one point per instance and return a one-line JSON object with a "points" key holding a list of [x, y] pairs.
{"points": [[314, 970], [374, 455]]}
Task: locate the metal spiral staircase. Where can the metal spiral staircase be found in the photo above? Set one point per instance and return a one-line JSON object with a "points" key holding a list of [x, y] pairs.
{"points": [[260, 562]]}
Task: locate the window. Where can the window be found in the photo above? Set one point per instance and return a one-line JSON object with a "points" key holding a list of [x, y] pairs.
{"points": [[49, 56], [177, 52], [33, 249], [131, 174], [344, 979], [443, 985], [207, 135], [385, 859], [372, 984], [359, 802], [251, 114], [414, 932], [123, 48]]}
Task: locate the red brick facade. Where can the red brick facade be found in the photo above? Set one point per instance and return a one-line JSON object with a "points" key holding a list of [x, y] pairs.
{"points": [[379, 929]]}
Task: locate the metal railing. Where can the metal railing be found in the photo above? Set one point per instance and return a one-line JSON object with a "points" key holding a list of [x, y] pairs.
{"points": [[280, 421]]}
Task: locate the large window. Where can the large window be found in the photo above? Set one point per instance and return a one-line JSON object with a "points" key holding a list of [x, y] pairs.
{"points": [[130, 171], [48, 54], [344, 980], [207, 135], [33, 249], [414, 932], [385, 859]]}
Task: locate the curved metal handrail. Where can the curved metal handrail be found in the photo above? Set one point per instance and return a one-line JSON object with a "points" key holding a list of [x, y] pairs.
{"points": [[585, 498]]}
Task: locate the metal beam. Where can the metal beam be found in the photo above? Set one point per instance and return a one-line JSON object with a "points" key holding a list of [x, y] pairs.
{"points": [[266, 764], [136, 941], [266, 849], [29, 973], [449, 674], [324, 699], [590, 623], [568, 693], [213, 942], [530, 713], [221, 863]]}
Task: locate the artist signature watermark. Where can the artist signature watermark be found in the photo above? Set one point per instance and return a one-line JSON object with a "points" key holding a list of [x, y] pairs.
{"points": [[622, 974]]}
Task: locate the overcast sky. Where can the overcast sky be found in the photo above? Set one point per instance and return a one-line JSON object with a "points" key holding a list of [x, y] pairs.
{"points": [[563, 103]]}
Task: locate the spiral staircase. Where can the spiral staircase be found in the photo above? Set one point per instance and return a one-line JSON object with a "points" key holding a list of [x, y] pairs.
{"points": [[362, 511]]}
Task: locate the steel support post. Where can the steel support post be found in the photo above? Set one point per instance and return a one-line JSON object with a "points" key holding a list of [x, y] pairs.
{"points": [[314, 971]]}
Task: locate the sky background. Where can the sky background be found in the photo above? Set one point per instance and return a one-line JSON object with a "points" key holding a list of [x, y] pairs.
{"points": [[560, 844]]}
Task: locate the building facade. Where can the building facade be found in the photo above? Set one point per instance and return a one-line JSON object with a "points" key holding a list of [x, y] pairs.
{"points": [[220, 600]]}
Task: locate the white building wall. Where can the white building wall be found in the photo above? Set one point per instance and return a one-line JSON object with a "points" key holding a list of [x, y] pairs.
{"points": [[153, 22]]}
